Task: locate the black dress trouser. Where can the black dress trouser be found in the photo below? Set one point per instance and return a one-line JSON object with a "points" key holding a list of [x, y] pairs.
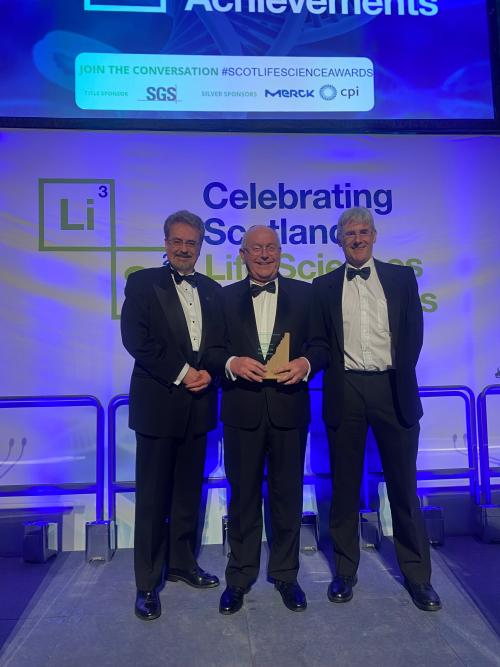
{"points": [[245, 453], [169, 479], [368, 401]]}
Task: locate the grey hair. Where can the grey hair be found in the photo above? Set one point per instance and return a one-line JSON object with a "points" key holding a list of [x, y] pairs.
{"points": [[354, 214], [187, 218], [252, 228]]}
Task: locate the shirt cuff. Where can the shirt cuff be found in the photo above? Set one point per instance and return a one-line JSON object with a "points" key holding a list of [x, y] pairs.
{"points": [[306, 376], [229, 373], [182, 374]]}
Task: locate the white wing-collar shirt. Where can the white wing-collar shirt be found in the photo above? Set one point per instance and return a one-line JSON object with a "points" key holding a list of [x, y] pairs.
{"points": [[367, 337]]}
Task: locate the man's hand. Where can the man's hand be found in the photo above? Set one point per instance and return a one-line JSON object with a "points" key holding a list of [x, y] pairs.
{"points": [[293, 372], [196, 381], [247, 369]]}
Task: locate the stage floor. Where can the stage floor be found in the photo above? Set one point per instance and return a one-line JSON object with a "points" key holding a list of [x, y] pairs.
{"points": [[69, 613]]}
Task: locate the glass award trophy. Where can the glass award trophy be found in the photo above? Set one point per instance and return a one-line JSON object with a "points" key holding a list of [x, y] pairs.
{"points": [[276, 349]]}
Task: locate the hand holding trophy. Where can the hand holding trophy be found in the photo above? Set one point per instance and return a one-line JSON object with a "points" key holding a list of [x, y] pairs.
{"points": [[279, 347]]}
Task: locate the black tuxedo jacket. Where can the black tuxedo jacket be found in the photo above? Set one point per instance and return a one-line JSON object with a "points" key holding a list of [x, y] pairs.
{"points": [[243, 402], [155, 333], [406, 326]]}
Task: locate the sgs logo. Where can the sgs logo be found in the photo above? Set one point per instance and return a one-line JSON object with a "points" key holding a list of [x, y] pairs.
{"points": [[161, 94]]}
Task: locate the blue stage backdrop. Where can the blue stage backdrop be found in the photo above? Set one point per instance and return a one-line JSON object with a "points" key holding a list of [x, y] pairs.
{"points": [[79, 211]]}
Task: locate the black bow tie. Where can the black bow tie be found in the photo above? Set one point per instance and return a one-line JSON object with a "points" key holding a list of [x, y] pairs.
{"points": [[257, 289], [178, 277], [364, 273]]}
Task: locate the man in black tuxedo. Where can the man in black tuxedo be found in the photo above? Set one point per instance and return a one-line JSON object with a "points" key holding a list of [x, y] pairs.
{"points": [[169, 318], [368, 314], [265, 420]]}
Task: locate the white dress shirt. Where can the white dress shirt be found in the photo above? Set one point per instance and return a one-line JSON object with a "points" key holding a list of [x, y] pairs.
{"points": [[264, 308], [190, 302], [367, 338]]}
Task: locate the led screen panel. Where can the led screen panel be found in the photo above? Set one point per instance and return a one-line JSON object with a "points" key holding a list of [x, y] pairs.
{"points": [[247, 60]]}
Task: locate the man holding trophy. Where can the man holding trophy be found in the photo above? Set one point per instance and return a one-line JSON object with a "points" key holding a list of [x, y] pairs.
{"points": [[265, 411]]}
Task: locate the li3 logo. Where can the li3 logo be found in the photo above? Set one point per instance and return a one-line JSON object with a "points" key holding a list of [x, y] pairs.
{"points": [[76, 214]]}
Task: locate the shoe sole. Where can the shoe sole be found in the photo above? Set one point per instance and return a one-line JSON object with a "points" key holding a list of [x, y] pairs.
{"points": [[189, 583], [230, 612], [147, 618], [340, 600], [296, 608]]}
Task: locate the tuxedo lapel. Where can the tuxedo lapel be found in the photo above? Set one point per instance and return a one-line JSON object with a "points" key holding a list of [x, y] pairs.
{"points": [[174, 315], [336, 286], [206, 312], [247, 318], [392, 293], [283, 309]]}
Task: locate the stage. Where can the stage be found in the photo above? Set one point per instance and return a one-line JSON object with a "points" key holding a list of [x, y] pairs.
{"points": [[68, 612]]}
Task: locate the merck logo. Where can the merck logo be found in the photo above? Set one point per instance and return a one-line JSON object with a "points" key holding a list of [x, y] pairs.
{"points": [[289, 92]]}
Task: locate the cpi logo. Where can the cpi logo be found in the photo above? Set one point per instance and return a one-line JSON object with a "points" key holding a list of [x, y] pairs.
{"points": [[161, 94], [329, 92]]}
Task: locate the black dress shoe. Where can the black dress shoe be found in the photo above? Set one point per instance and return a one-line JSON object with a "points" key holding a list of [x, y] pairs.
{"points": [[231, 600], [196, 577], [340, 590], [423, 596], [292, 594], [147, 605]]}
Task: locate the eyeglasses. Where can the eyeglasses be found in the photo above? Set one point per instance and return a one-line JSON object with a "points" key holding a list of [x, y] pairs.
{"points": [[364, 233], [180, 243], [268, 249]]}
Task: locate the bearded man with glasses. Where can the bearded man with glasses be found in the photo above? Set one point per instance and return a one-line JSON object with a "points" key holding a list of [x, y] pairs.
{"points": [[169, 319]]}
